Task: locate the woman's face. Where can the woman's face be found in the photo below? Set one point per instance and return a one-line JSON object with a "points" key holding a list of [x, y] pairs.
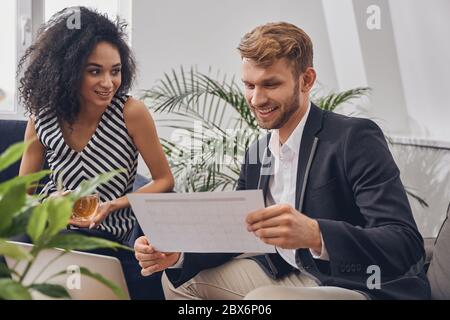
{"points": [[102, 76]]}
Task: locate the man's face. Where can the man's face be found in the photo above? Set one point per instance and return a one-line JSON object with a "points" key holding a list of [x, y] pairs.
{"points": [[271, 92]]}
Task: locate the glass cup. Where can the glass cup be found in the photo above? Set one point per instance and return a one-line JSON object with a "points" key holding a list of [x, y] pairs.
{"points": [[85, 208]]}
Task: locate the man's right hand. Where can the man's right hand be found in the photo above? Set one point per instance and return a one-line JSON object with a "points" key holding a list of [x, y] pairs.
{"points": [[150, 260]]}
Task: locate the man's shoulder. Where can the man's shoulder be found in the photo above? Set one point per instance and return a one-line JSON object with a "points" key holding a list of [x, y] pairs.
{"points": [[337, 123], [346, 121]]}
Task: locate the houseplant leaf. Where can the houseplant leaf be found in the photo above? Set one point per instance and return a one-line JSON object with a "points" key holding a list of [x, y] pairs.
{"points": [[11, 203], [59, 210], [81, 242], [51, 290], [18, 224], [12, 154], [89, 186], [42, 221], [12, 290], [37, 222], [116, 289], [13, 251], [28, 180], [4, 271]]}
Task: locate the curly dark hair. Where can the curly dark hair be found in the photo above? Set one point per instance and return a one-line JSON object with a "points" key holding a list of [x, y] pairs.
{"points": [[56, 61]]}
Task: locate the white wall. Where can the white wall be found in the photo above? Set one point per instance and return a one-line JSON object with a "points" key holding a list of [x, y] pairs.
{"points": [[345, 44], [167, 34], [422, 34], [387, 102], [106, 6], [7, 56]]}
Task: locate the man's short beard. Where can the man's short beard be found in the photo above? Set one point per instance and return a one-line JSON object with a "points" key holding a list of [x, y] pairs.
{"points": [[293, 106]]}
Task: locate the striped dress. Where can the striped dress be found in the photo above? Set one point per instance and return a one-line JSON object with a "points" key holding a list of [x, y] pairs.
{"points": [[110, 148]]}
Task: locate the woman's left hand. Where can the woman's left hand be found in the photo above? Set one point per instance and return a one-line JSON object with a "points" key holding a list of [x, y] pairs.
{"points": [[103, 210]]}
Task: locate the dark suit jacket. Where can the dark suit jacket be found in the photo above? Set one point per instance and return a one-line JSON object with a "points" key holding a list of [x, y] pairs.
{"points": [[348, 181]]}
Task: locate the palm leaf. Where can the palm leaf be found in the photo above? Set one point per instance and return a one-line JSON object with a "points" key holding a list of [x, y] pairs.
{"points": [[194, 97], [332, 100], [199, 93]]}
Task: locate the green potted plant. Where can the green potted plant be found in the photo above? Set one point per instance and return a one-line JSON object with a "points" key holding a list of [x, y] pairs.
{"points": [[21, 213]]}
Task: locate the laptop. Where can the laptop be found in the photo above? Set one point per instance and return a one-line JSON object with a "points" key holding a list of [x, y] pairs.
{"points": [[79, 287]]}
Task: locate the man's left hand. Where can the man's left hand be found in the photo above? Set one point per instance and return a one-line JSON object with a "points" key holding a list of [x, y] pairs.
{"points": [[283, 226]]}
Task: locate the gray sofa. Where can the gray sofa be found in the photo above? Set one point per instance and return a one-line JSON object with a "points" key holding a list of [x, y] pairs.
{"points": [[439, 269], [11, 131]]}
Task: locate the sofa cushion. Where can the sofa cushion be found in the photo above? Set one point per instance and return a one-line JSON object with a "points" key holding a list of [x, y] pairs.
{"points": [[11, 131], [439, 270], [140, 181]]}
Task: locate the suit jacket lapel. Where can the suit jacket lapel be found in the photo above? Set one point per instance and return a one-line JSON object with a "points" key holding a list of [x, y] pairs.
{"points": [[266, 169], [312, 126]]}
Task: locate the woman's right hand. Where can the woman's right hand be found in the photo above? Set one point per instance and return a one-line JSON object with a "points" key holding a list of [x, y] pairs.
{"points": [[151, 260]]}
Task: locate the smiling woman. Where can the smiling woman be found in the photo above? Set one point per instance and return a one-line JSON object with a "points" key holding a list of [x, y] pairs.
{"points": [[83, 122]]}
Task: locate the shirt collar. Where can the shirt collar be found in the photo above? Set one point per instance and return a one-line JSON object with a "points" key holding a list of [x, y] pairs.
{"points": [[293, 141]]}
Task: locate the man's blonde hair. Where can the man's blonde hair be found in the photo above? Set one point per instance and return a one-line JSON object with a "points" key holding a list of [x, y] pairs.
{"points": [[273, 41]]}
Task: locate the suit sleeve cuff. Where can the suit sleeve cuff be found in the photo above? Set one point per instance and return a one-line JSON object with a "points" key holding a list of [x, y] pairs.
{"points": [[179, 263], [323, 255]]}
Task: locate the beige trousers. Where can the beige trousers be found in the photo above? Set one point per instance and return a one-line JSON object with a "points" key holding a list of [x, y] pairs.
{"points": [[244, 279]]}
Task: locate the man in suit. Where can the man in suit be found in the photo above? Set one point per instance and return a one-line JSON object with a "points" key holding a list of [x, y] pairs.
{"points": [[336, 209]]}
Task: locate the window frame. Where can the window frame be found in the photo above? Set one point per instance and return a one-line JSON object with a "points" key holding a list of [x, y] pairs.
{"points": [[33, 13]]}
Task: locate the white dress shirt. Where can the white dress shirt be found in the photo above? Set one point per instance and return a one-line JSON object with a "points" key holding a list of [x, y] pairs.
{"points": [[283, 183]]}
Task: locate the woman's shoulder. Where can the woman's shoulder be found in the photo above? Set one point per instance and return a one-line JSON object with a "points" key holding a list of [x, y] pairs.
{"points": [[44, 117], [136, 114], [134, 108], [128, 106]]}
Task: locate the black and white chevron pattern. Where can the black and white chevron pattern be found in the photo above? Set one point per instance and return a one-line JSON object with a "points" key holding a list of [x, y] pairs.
{"points": [[110, 148]]}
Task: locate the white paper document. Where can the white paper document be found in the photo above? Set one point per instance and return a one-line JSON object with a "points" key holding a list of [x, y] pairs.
{"points": [[199, 222]]}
